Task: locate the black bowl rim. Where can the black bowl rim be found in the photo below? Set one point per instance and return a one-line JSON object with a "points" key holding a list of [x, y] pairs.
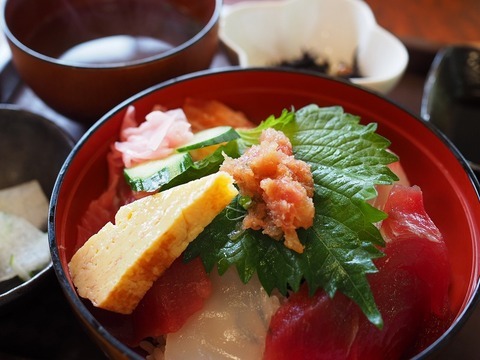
{"points": [[17, 291], [214, 19], [85, 315], [431, 79], [432, 74]]}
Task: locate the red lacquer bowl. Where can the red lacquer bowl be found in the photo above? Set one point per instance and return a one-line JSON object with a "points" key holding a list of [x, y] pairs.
{"points": [[111, 61], [451, 192]]}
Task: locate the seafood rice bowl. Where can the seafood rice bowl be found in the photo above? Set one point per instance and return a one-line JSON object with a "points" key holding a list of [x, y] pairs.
{"points": [[266, 214]]}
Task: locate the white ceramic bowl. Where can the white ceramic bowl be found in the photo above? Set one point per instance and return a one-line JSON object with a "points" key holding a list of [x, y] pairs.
{"points": [[264, 33]]}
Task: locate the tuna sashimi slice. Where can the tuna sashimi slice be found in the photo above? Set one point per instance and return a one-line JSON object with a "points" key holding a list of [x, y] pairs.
{"points": [[410, 289]]}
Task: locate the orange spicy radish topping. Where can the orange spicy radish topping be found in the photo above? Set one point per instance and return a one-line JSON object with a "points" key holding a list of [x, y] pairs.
{"points": [[280, 186]]}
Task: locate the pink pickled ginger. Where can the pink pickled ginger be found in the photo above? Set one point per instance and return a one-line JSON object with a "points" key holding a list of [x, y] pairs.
{"points": [[156, 138]]}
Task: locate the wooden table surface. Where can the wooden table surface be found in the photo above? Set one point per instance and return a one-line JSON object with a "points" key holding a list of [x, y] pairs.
{"points": [[430, 23]]}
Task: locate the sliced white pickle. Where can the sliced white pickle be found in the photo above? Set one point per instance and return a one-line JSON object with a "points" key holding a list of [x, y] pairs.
{"points": [[23, 248]]}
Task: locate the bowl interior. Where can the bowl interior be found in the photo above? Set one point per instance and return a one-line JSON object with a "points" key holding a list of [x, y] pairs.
{"points": [[31, 148], [130, 30], [302, 25], [451, 196]]}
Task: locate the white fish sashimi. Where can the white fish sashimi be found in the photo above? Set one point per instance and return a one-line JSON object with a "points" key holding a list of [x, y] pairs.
{"points": [[232, 325], [23, 248]]}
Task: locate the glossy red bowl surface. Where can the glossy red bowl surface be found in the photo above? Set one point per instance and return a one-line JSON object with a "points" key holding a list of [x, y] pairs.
{"points": [[451, 192]]}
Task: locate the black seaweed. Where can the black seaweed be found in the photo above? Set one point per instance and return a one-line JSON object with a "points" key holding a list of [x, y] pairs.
{"points": [[308, 61]]}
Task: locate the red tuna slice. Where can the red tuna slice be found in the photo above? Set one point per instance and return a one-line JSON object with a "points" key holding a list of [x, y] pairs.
{"points": [[408, 221], [322, 328], [312, 327], [410, 290], [174, 297], [407, 216]]}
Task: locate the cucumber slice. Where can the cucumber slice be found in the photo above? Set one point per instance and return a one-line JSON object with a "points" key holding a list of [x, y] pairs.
{"points": [[152, 175], [213, 136]]}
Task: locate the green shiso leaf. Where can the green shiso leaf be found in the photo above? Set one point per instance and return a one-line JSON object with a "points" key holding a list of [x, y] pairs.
{"points": [[347, 160], [251, 137]]}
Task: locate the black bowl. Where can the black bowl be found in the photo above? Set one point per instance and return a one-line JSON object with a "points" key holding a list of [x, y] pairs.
{"points": [[451, 99], [31, 148]]}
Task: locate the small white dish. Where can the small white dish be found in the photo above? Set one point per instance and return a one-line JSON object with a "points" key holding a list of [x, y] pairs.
{"points": [[265, 33]]}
